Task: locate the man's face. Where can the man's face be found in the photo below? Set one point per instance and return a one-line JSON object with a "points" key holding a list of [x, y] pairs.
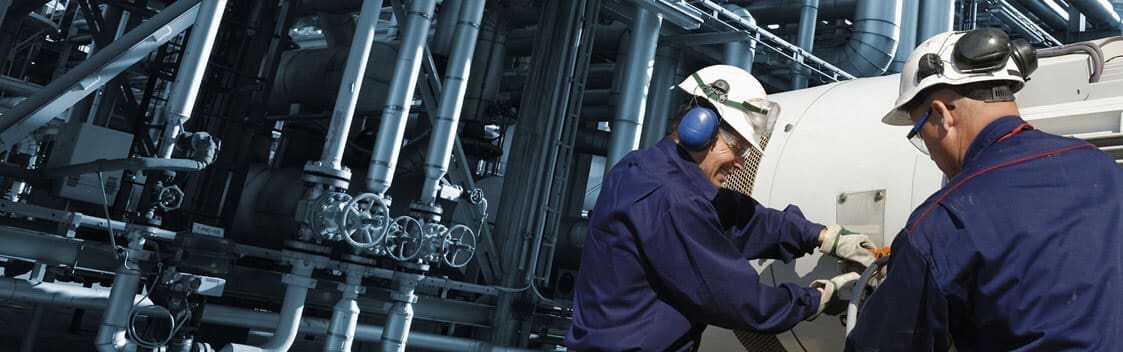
{"points": [[938, 135], [724, 157]]}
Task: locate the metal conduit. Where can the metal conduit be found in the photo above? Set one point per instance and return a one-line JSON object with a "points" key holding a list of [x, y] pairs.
{"points": [[391, 130], [935, 17], [189, 77], [452, 98], [629, 111], [347, 97], [873, 41]]}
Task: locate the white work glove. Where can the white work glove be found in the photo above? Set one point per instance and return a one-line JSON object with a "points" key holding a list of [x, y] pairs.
{"points": [[830, 303], [847, 245]]}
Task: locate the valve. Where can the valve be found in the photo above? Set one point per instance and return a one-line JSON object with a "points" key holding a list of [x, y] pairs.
{"points": [[404, 240], [365, 220], [458, 246]]}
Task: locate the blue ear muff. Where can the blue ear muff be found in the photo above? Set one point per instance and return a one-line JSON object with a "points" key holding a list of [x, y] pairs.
{"points": [[697, 128]]}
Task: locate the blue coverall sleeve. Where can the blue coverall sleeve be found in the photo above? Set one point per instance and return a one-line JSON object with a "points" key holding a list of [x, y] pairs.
{"points": [[908, 312], [762, 232], [708, 279]]}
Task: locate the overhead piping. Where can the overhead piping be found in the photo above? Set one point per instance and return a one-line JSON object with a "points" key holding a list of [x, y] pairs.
{"points": [[350, 85], [629, 111], [873, 41], [1099, 12], [906, 43], [391, 130], [189, 76], [935, 17]]}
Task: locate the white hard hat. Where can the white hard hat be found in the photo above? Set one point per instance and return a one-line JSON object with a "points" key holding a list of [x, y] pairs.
{"points": [[958, 58], [739, 98]]}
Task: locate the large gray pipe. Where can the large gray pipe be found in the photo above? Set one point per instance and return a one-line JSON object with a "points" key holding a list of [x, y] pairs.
{"points": [[347, 96], [292, 309], [345, 314], [452, 98], [448, 16], [1054, 20], [741, 53], [628, 122], [115, 321], [400, 315], [1099, 12], [659, 103], [808, 17], [935, 17], [873, 41], [907, 42], [18, 87], [189, 77], [387, 147], [789, 11]]}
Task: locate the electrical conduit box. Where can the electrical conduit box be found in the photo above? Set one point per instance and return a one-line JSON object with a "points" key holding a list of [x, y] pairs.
{"points": [[83, 143]]}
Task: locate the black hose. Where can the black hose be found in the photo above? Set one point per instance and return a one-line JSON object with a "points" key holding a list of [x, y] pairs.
{"points": [[1093, 51]]}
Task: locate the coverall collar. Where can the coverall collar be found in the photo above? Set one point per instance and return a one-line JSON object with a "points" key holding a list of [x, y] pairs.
{"points": [[694, 179], [994, 131]]}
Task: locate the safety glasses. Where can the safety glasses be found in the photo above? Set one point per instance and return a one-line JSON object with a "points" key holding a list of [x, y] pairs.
{"points": [[739, 146], [914, 134]]}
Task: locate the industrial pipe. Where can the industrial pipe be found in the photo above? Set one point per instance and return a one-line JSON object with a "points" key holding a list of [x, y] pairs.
{"points": [[122, 295], [1052, 18], [787, 11], [448, 18], [629, 112], [935, 17], [193, 64], [873, 41], [348, 94], [18, 87], [808, 17], [660, 105], [488, 61], [400, 316], [1099, 12], [906, 43], [292, 309], [345, 313], [452, 98], [391, 130], [55, 295], [740, 53], [123, 164]]}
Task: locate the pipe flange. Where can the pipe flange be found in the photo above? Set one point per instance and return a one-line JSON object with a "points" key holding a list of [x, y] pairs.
{"points": [[427, 212], [404, 298], [318, 169], [326, 180], [358, 259], [307, 282]]}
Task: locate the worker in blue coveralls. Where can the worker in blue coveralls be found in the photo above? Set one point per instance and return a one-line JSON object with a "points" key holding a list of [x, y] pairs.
{"points": [[1022, 249], [667, 249]]}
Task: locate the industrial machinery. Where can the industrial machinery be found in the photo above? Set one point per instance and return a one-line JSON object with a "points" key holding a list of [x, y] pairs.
{"points": [[187, 175]]}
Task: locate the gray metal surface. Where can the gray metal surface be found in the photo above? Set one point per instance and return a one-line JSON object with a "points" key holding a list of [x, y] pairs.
{"points": [[906, 41], [347, 97], [1099, 12], [873, 41], [629, 112], [935, 17], [189, 77], [808, 18]]}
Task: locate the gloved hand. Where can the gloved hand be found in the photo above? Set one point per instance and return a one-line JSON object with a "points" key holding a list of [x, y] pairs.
{"points": [[847, 245], [830, 303]]}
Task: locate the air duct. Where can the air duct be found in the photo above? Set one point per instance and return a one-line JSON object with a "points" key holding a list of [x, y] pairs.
{"points": [[873, 41], [392, 128]]}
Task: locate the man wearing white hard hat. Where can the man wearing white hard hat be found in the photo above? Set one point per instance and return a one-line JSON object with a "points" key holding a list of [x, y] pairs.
{"points": [[1022, 249], [667, 248]]}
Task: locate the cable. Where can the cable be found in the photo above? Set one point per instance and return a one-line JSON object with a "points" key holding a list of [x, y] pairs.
{"points": [[108, 220], [137, 309]]}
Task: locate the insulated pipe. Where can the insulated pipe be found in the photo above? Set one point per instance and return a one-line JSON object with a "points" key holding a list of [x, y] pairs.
{"points": [[808, 17], [115, 321], [345, 314], [628, 120], [448, 17], [1054, 20], [452, 98], [292, 309], [57, 295], [400, 316], [907, 42], [935, 17], [18, 87], [873, 41], [660, 106], [1099, 12], [189, 77], [788, 11], [348, 95], [123, 164], [387, 146], [740, 53]]}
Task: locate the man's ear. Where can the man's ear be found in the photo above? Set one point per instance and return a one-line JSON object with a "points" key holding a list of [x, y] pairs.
{"points": [[947, 120]]}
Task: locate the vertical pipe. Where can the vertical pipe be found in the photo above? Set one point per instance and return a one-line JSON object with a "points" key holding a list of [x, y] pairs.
{"points": [[628, 121], [972, 14], [28, 342], [292, 310], [400, 317], [808, 16], [936, 16], [452, 98], [659, 105], [4, 5], [190, 74], [384, 159], [345, 315], [907, 43], [348, 95], [448, 18]]}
